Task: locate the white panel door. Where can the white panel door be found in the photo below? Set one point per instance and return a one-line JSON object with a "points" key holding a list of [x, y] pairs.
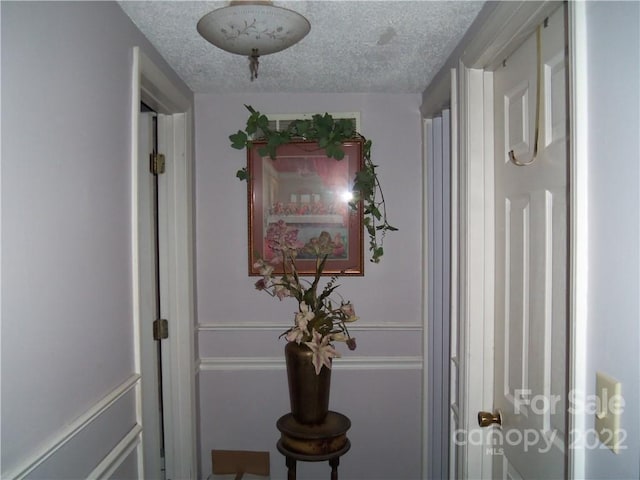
{"points": [[531, 258]]}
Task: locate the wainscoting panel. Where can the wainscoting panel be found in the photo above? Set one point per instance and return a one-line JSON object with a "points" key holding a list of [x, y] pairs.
{"points": [[372, 340], [123, 452], [241, 399], [351, 362], [107, 431], [128, 469]]}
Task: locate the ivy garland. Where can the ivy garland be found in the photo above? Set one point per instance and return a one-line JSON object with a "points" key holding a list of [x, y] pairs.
{"points": [[329, 133]]}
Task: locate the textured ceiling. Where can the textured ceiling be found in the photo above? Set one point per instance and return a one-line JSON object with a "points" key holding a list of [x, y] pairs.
{"points": [[353, 46]]}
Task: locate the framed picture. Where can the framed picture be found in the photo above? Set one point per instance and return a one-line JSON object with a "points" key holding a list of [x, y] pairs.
{"points": [[310, 192]]}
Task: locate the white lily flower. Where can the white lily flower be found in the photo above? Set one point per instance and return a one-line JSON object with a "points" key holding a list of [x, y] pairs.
{"points": [[296, 335], [304, 315], [322, 351]]}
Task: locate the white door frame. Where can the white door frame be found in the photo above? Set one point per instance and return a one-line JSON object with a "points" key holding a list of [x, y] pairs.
{"points": [[175, 129], [476, 261], [436, 298], [500, 29]]}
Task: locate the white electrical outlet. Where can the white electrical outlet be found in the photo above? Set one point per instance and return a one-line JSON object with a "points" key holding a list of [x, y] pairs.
{"points": [[609, 409]]}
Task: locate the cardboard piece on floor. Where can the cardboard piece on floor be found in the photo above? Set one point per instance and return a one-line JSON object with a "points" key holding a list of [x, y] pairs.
{"points": [[239, 464]]}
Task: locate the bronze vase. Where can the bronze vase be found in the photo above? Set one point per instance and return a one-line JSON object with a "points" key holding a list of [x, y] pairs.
{"points": [[308, 392]]}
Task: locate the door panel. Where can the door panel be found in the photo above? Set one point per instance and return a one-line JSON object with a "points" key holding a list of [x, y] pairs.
{"points": [[531, 258], [148, 264], [516, 115], [514, 343]]}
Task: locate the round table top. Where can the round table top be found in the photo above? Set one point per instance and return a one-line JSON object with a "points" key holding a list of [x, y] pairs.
{"points": [[335, 424], [313, 458]]}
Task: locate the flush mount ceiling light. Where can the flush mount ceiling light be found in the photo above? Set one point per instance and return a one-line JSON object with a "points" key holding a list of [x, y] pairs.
{"points": [[253, 29]]}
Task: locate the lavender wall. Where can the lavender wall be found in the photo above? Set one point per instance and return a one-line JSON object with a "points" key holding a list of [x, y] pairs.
{"points": [[613, 85], [67, 331], [242, 384]]}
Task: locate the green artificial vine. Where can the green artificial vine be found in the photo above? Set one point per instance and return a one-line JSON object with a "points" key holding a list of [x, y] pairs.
{"points": [[329, 133]]}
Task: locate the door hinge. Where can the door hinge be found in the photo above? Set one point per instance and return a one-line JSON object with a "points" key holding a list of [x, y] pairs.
{"points": [[157, 163], [160, 329]]}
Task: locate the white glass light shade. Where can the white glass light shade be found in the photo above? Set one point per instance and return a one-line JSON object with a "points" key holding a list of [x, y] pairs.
{"points": [[243, 27]]}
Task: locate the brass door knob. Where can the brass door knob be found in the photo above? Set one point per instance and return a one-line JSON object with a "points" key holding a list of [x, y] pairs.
{"points": [[487, 418]]}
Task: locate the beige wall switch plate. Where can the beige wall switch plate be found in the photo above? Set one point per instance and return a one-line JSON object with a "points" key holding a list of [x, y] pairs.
{"points": [[609, 407]]}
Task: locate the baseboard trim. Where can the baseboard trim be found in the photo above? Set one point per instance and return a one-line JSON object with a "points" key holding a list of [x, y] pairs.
{"points": [[69, 431]]}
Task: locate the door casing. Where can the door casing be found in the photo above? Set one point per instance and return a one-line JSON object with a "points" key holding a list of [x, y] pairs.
{"points": [[499, 30], [176, 234]]}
